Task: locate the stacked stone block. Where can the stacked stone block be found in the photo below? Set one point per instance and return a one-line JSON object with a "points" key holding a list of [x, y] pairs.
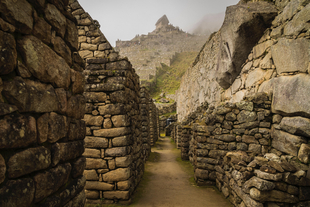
{"points": [[255, 157], [179, 136], [154, 123], [185, 140], [41, 106], [145, 116]]}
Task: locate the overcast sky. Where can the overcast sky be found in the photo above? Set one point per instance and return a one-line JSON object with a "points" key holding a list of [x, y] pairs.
{"points": [[124, 19]]}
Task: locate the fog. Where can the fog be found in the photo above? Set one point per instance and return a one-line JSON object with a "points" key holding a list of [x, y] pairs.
{"points": [[124, 19]]}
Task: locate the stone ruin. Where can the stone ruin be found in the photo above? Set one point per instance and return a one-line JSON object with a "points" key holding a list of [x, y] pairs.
{"points": [[252, 142], [41, 106], [68, 102]]}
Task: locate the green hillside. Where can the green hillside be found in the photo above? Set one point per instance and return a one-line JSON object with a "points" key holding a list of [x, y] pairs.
{"points": [[169, 78]]}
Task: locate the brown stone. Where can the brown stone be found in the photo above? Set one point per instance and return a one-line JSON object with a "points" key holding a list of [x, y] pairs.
{"points": [[93, 120], [6, 27], [7, 109], [76, 106], [42, 30], [50, 181], [304, 153], [116, 152], [112, 109], [62, 49], [120, 121], [121, 141], [273, 195], [92, 153], [8, 53], [96, 142], [17, 193], [124, 185], [70, 150], [113, 132], [17, 131], [29, 95], [56, 19], [44, 63], [77, 130], [78, 167], [92, 194], [57, 127], [94, 97], [42, 127], [123, 195], [78, 82], [123, 161], [258, 183], [72, 34], [268, 176], [120, 174], [91, 175], [92, 163], [96, 185], [2, 169], [18, 13], [29, 160]]}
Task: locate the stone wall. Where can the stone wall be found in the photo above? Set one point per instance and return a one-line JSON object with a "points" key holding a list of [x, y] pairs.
{"points": [[154, 124], [118, 120], [41, 106], [253, 156], [274, 60]]}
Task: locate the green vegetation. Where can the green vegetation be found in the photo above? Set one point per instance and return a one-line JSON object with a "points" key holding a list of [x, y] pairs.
{"points": [[169, 78], [167, 115]]}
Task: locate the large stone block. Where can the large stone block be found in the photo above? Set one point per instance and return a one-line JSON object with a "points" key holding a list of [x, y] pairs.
{"points": [[304, 153], [122, 195], [29, 160], [95, 185], [91, 175], [123, 161], [8, 53], [112, 109], [18, 13], [92, 153], [44, 63], [296, 125], [17, 193], [121, 141], [56, 19], [17, 131], [201, 174], [70, 150], [29, 95], [116, 152], [258, 183], [92, 163], [96, 142], [236, 44], [76, 106], [94, 97], [120, 121], [286, 142], [78, 167], [291, 55], [56, 127], [113, 132], [72, 35], [246, 116], [93, 120], [299, 22], [42, 30], [120, 174], [268, 176], [50, 181], [291, 95], [273, 195]]}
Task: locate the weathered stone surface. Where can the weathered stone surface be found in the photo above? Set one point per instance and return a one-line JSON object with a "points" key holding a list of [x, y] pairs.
{"points": [[28, 95], [246, 116], [7, 109], [93, 153], [299, 22], [77, 130], [92, 163], [72, 34], [113, 132], [96, 142], [17, 131], [2, 169], [50, 181], [121, 141], [18, 13], [120, 121], [95, 185], [43, 62], [201, 174], [119, 174], [249, 139], [92, 194], [8, 53], [123, 195], [93, 120], [258, 183], [78, 167], [111, 109], [304, 153], [56, 19], [116, 152], [291, 95], [123, 161], [286, 142], [91, 175], [96, 97], [76, 106], [304, 193], [42, 30], [78, 82], [124, 185], [61, 48], [29, 160], [268, 176], [70, 150], [17, 193], [6, 27], [296, 125], [273, 195], [217, 153], [291, 55], [234, 50]]}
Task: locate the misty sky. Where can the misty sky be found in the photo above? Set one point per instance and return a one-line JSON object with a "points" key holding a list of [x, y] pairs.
{"points": [[123, 19]]}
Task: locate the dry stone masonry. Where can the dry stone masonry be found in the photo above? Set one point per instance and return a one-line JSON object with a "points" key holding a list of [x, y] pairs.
{"points": [[41, 106], [252, 142], [118, 118]]}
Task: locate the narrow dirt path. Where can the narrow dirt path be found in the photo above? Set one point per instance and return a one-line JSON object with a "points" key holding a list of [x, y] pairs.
{"points": [[168, 184]]}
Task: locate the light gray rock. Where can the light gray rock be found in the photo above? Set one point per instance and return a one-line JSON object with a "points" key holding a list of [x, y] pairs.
{"points": [[304, 153], [258, 183], [291, 95], [299, 22], [268, 176], [291, 55], [273, 195], [296, 125], [120, 174]]}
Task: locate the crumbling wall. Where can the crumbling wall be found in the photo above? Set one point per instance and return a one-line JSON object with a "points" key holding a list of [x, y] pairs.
{"points": [[41, 106], [253, 156], [117, 117]]}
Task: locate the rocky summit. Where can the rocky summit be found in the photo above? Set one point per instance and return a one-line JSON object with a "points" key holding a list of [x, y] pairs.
{"points": [[77, 128]]}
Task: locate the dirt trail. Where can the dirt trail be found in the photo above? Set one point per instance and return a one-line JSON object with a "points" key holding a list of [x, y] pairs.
{"points": [[169, 184]]}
